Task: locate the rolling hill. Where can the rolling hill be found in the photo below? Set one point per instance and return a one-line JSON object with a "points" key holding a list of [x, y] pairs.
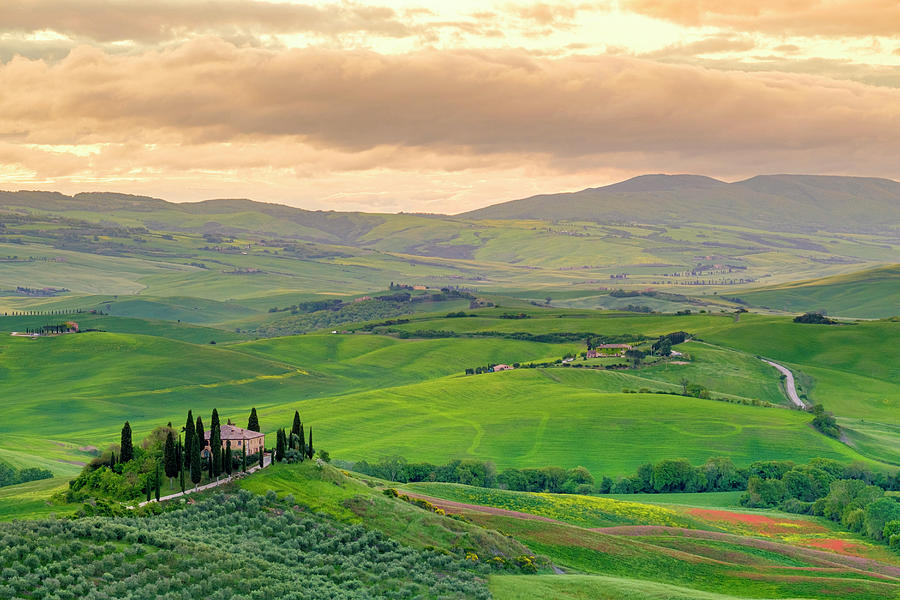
{"points": [[771, 202], [868, 293]]}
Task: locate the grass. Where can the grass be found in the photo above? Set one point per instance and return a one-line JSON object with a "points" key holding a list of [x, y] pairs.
{"points": [[371, 396], [591, 587], [640, 560], [584, 511], [704, 499], [326, 490], [32, 500], [869, 294]]}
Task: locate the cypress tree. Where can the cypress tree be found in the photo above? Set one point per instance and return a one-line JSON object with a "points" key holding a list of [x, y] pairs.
{"points": [[157, 482], [112, 459], [196, 470], [262, 454], [309, 447], [181, 476], [148, 488], [188, 438], [253, 423], [302, 447], [279, 445], [126, 450], [201, 434], [243, 459], [170, 460], [295, 428], [228, 460], [215, 443]]}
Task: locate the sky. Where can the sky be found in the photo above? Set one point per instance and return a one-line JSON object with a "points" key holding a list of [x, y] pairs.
{"points": [[416, 106]]}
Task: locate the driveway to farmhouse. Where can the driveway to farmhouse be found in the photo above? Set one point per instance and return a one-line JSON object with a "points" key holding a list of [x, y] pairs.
{"points": [[788, 383], [267, 460]]}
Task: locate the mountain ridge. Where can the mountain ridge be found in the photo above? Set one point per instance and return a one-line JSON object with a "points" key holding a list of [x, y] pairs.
{"points": [[777, 202]]}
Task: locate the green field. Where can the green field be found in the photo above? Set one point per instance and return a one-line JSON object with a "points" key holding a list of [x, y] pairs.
{"points": [[372, 396], [872, 293]]}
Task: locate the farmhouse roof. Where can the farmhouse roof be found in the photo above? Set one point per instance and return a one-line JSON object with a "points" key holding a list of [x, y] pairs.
{"points": [[231, 432]]}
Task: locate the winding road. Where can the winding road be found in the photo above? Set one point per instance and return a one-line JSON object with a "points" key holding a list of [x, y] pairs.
{"points": [[789, 386]]}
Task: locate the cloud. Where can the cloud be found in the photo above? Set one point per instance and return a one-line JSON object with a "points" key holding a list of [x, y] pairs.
{"points": [[209, 114], [155, 21], [832, 18], [710, 45], [485, 102]]}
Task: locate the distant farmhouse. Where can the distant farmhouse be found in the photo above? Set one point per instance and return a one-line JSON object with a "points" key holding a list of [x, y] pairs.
{"points": [[597, 351], [250, 441], [498, 368]]}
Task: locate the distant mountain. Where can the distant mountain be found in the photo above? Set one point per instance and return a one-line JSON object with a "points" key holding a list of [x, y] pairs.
{"points": [[773, 202]]}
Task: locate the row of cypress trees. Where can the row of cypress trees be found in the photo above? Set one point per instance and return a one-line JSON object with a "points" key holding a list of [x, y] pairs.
{"points": [[184, 459], [295, 441]]}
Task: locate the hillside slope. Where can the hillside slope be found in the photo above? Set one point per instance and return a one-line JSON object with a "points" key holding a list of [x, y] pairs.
{"points": [[775, 202], [867, 294]]}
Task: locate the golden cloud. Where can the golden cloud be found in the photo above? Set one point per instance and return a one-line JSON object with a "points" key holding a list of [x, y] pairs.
{"points": [[164, 20], [796, 17], [211, 112]]}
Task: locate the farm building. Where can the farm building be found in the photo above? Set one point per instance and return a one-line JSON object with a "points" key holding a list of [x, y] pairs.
{"points": [[251, 441], [502, 368], [598, 351]]}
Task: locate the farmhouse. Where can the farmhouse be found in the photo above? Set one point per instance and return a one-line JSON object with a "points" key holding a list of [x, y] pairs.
{"points": [[502, 368], [619, 348], [251, 441]]}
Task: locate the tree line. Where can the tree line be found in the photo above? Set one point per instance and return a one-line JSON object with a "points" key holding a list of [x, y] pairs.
{"points": [[851, 495], [717, 474], [11, 476]]}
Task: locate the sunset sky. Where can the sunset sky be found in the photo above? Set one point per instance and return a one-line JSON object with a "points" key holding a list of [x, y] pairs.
{"points": [[438, 106]]}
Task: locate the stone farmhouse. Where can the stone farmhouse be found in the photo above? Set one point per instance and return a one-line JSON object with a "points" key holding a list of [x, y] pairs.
{"points": [[241, 439]]}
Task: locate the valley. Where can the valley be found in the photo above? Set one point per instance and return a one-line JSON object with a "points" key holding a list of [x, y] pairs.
{"points": [[475, 350]]}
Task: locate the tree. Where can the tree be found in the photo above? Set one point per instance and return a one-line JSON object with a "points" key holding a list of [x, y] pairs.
{"points": [[228, 460], [763, 493], [253, 422], [196, 469], [665, 347], [634, 356], [157, 482], [309, 447], [215, 443], [280, 445], [878, 514], [302, 446], [295, 428], [189, 436], [126, 450], [170, 461], [243, 459], [201, 433], [262, 456]]}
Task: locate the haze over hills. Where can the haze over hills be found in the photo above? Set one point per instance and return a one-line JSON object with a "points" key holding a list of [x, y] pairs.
{"points": [[781, 202], [778, 202], [653, 230]]}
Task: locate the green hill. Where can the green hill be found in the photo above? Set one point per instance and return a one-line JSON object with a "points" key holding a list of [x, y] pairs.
{"points": [[771, 202], [873, 293], [666, 233]]}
